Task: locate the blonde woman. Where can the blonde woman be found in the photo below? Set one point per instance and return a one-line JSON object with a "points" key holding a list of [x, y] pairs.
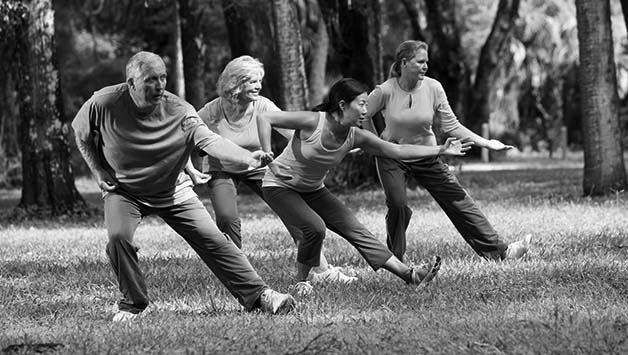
{"points": [[233, 115]]}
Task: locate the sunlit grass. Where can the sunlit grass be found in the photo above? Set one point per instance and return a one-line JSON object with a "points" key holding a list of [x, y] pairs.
{"points": [[568, 296]]}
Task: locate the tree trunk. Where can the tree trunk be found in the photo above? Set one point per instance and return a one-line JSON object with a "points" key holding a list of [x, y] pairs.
{"points": [[413, 15], [178, 75], [193, 45], [493, 54], [446, 58], [48, 182], [318, 59], [250, 35], [355, 28], [604, 169], [624, 10], [293, 86]]}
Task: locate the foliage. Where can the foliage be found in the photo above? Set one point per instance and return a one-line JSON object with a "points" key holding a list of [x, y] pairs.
{"points": [[568, 296], [95, 37]]}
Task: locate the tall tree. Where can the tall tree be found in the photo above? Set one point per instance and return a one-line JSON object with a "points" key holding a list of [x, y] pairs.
{"points": [[11, 17], [194, 47], [624, 10], [604, 169], [315, 50], [178, 75], [446, 58], [47, 179], [250, 35], [287, 34], [355, 28], [494, 52], [413, 14]]}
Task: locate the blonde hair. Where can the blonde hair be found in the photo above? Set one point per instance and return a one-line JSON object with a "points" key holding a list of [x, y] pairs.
{"points": [[236, 73], [406, 50]]}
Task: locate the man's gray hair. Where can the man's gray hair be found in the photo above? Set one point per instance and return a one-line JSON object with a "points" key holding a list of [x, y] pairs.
{"points": [[139, 60]]}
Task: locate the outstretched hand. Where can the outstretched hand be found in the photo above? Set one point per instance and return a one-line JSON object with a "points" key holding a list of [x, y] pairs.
{"points": [[261, 159], [494, 144], [454, 146]]}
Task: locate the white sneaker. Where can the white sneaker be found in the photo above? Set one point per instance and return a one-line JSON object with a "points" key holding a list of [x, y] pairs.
{"points": [[303, 288], [426, 272], [518, 249], [125, 316], [274, 302], [333, 275]]}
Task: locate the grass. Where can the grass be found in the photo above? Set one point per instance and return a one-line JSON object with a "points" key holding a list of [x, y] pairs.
{"points": [[568, 296]]}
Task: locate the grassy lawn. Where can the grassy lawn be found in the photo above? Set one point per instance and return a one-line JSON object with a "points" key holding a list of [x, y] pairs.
{"points": [[568, 296]]}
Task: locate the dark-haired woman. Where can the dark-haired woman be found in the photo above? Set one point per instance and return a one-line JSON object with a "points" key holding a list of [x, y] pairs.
{"points": [[293, 186], [411, 103]]}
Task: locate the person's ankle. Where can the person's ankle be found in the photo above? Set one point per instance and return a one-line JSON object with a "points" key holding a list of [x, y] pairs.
{"points": [[407, 276]]}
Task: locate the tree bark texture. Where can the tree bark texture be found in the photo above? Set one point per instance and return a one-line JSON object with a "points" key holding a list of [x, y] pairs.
{"points": [[317, 58], [48, 181], [354, 28], [604, 168], [194, 48], [287, 34], [495, 51], [413, 14], [446, 58], [178, 75]]}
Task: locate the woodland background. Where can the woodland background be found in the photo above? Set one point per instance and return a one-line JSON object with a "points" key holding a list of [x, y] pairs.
{"points": [[511, 63]]}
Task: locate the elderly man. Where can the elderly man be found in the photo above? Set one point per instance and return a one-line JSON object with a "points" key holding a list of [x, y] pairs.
{"points": [[136, 139]]}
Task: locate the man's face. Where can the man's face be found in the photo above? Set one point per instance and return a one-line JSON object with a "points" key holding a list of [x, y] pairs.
{"points": [[148, 87]]}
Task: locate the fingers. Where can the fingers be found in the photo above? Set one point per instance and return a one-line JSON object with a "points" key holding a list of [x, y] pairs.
{"points": [[450, 141], [108, 186], [202, 179]]}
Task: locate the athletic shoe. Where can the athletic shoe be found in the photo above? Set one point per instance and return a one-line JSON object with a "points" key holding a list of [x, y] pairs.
{"points": [[274, 302], [125, 316], [303, 288], [332, 275], [425, 272], [518, 249]]}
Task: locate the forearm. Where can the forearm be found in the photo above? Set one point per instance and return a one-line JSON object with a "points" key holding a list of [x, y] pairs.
{"points": [[264, 130], [90, 155], [463, 133], [225, 150], [412, 151]]}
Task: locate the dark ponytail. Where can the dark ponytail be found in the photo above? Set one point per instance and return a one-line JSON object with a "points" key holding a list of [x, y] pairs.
{"points": [[346, 90]]}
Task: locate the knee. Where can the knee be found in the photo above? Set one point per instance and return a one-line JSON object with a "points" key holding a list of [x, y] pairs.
{"points": [[314, 232], [227, 221], [397, 204]]}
